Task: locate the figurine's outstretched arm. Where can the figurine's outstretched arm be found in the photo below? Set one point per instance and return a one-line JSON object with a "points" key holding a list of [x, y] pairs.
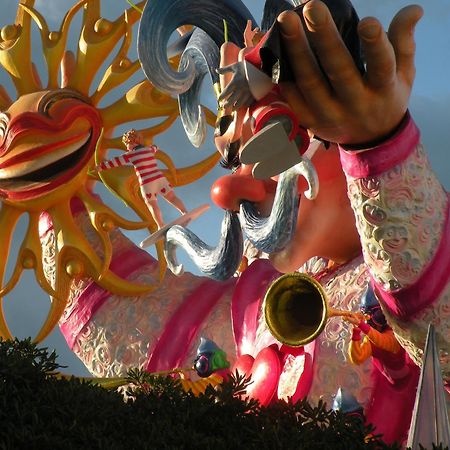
{"points": [[111, 163]]}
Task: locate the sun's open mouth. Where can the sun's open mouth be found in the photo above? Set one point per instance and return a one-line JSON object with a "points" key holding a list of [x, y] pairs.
{"points": [[42, 166]]}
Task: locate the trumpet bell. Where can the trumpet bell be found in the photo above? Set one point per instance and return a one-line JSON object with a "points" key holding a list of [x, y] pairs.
{"points": [[295, 309]]}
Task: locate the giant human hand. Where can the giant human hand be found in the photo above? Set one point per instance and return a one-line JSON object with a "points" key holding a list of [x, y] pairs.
{"points": [[342, 105]]}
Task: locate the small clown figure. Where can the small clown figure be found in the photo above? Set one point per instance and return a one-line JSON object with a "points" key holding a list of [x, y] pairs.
{"points": [[152, 181], [379, 340], [210, 358]]}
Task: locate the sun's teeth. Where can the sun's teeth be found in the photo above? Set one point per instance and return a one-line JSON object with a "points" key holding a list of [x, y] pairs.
{"points": [[25, 167]]}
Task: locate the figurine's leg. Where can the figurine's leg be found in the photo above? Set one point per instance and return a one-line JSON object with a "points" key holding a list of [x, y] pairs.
{"points": [[175, 201], [152, 205]]}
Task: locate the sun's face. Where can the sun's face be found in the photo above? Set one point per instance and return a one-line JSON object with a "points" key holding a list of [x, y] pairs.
{"points": [[51, 138], [47, 139]]}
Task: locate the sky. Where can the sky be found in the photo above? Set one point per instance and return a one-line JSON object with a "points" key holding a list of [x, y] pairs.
{"points": [[26, 307]]}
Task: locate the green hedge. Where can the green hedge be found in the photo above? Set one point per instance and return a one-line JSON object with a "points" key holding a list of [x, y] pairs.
{"points": [[39, 411]]}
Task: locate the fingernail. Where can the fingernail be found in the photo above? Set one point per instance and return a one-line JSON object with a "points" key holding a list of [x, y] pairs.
{"points": [[289, 25], [369, 31], [315, 15]]}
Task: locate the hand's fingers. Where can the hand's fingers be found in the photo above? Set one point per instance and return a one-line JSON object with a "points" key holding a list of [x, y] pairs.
{"points": [[401, 35], [379, 54], [230, 100], [235, 96], [307, 73], [245, 100], [227, 91], [225, 69], [334, 57], [224, 95]]}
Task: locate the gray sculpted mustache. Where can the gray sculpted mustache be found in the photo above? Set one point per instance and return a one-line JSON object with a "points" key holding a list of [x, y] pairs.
{"points": [[272, 234], [219, 263], [268, 234]]}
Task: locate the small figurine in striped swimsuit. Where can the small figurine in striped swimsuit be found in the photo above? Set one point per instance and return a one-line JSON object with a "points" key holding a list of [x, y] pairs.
{"points": [[151, 180]]}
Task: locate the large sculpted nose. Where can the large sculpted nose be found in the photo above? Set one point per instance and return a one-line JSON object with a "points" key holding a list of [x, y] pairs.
{"points": [[230, 190]]}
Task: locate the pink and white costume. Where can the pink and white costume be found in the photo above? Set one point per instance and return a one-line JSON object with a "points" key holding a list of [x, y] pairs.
{"points": [[151, 180], [401, 213]]}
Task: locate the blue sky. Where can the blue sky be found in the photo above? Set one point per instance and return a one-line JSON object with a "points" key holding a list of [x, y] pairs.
{"points": [[26, 306]]}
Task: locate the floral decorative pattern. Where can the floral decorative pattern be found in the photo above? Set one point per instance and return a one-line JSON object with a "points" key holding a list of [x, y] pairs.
{"points": [[400, 216], [123, 331]]}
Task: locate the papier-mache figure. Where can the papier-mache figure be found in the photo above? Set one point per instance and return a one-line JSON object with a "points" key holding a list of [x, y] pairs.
{"points": [[379, 213], [152, 181], [372, 337]]}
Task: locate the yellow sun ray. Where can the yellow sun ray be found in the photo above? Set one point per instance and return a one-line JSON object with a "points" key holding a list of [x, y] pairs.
{"points": [[78, 259], [147, 133], [15, 54], [104, 220], [98, 38], [120, 69], [142, 101], [53, 42], [8, 220], [29, 257]]}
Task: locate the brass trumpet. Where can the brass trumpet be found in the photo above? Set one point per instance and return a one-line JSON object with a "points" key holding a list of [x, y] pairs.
{"points": [[296, 309]]}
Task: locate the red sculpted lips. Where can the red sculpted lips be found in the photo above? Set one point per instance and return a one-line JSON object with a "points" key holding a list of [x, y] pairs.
{"points": [[9, 166]]}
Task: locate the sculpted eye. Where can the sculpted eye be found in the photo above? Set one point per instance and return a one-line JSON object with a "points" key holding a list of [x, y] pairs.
{"points": [[4, 120], [49, 99], [231, 157]]}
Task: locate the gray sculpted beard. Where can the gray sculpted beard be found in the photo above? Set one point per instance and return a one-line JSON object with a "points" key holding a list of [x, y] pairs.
{"points": [[268, 234]]}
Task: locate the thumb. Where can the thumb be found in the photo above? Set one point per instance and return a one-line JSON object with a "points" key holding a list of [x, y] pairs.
{"points": [[225, 69]]}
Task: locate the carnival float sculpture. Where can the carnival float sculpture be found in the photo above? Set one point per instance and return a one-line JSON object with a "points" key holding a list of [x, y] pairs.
{"points": [[352, 219], [377, 217]]}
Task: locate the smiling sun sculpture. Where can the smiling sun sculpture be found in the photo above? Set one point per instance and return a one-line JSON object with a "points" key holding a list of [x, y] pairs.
{"points": [[50, 138]]}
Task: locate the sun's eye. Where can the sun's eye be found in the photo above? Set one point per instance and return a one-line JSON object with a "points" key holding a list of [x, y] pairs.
{"points": [[48, 100], [4, 120]]}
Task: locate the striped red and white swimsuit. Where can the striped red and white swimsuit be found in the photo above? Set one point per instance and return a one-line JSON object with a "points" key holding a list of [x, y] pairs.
{"points": [[151, 180]]}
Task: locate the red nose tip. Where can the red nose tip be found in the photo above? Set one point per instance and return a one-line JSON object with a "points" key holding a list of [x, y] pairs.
{"points": [[228, 191]]}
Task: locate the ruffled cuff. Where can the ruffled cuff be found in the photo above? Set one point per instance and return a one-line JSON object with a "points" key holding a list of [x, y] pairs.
{"points": [[377, 159]]}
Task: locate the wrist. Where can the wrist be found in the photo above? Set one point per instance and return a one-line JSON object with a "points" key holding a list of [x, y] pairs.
{"points": [[373, 161], [380, 140]]}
